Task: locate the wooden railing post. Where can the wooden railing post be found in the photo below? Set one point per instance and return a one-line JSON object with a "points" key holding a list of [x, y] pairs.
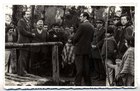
{"points": [[14, 60], [55, 63]]}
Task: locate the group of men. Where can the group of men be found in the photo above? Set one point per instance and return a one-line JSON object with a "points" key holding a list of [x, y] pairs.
{"points": [[102, 46], [38, 54], [26, 35], [88, 42]]}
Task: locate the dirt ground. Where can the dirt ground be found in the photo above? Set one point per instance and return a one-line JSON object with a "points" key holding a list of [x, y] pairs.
{"points": [[64, 81]]}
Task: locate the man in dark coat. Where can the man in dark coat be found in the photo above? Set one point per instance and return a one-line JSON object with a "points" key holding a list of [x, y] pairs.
{"points": [[38, 53], [98, 40], [117, 27], [125, 34], [57, 34], [82, 41], [24, 36]]}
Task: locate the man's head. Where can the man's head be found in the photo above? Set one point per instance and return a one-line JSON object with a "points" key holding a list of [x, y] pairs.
{"points": [[45, 27], [26, 14], [124, 19], [55, 27], [39, 24], [84, 16], [72, 29], [110, 31], [100, 23], [67, 28], [116, 19], [8, 19], [118, 12]]}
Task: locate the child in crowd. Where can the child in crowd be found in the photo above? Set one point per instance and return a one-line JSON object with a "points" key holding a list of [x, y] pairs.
{"points": [[108, 52], [10, 54]]}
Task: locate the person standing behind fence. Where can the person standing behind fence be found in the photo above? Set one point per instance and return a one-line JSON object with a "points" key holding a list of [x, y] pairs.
{"points": [[82, 42], [24, 36], [10, 54], [57, 34], [38, 53]]}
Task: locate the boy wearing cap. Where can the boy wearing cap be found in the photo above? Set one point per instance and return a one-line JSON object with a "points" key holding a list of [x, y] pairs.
{"points": [[117, 28], [98, 40]]}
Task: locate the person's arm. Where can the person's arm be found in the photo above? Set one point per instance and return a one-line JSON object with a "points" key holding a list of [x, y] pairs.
{"points": [[47, 36], [128, 61], [110, 52], [21, 28], [77, 35], [100, 43], [128, 34], [111, 47], [110, 65]]}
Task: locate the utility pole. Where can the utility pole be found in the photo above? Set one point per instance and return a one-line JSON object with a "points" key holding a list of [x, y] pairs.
{"points": [[32, 16]]}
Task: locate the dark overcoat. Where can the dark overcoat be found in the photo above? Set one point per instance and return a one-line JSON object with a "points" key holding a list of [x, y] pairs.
{"points": [[83, 38], [24, 31], [98, 40], [125, 34], [43, 37]]}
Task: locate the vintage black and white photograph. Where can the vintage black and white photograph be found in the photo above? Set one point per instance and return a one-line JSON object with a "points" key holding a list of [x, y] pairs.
{"points": [[69, 45]]}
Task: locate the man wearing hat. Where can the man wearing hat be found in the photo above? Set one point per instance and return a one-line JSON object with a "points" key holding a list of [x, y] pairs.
{"points": [[98, 40], [116, 26]]}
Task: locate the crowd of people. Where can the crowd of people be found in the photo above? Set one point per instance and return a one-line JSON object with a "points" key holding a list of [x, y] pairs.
{"points": [[89, 50]]}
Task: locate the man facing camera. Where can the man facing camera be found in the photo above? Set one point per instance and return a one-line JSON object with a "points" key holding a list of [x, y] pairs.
{"points": [[38, 53]]}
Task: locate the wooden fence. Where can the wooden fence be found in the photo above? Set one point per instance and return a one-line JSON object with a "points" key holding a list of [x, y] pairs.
{"points": [[55, 61]]}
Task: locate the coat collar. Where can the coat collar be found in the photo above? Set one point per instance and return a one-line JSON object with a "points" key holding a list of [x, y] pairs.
{"points": [[39, 31], [85, 21]]}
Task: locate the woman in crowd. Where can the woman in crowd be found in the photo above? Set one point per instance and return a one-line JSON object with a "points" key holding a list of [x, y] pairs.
{"points": [[126, 66]]}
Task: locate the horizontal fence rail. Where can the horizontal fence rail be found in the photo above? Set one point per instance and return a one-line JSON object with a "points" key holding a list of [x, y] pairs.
{"points": [[24, 45], [55, 60]]}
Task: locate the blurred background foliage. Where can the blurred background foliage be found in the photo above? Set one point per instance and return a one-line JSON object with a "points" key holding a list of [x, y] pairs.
{"points": [[65, 15]]}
